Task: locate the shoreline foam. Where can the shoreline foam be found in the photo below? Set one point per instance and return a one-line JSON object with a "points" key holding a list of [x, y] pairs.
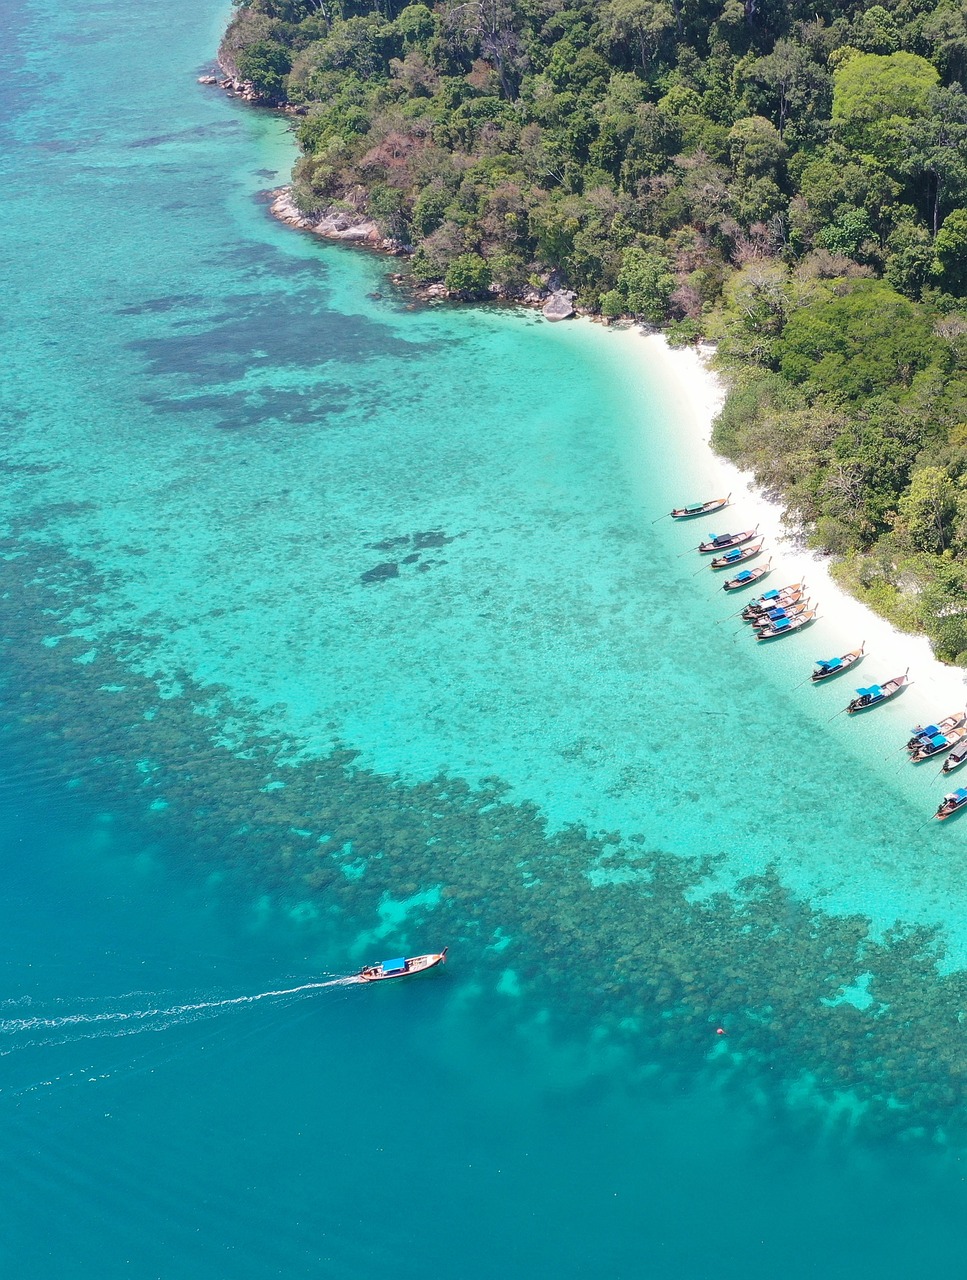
{"points": [[698, 393]]}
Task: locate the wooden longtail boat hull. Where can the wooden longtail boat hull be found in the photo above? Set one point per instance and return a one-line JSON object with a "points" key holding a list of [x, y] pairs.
{"points": [[846, 661], [760, 617], [951, 804], [703, 509], [956, 757], [727, 543], [760, 602], [788, 612], [928, 750], [945, 725], [754, 575], [796, 623], [723, 562], [406, 967], [775, 602], [888, 690]]}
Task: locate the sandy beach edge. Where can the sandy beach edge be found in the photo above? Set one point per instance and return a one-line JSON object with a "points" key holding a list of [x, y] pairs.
{"points": [[697, 394]]}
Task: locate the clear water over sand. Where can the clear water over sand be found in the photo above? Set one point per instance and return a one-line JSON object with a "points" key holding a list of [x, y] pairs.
{"points": [[330, 625]]}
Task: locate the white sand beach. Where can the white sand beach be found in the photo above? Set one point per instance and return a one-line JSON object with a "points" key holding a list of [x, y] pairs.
{"points": [[843, 622]]}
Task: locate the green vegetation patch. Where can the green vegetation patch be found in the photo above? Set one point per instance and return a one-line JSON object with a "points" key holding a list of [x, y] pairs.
{"points": [[788, 180]]}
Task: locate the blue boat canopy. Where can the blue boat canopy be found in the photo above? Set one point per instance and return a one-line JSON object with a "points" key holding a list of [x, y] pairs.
{"points": [[830, 664], [874, 691], [390, 966], [782, 622], [776, 613], [733, 555], [961, 793], [741, 577], [939, 740], [770, 595]]}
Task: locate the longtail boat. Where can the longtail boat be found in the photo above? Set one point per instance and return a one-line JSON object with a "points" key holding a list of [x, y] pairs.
{"points": [[722, 541], [754, 613], [746, 577], [737, 555], [785, 626], [699, 508], [956, 757], [922, 731], [773, 599], [952, 803], [401, 968], [772, 619], [935, 746], [872, 697], [827, 668]]}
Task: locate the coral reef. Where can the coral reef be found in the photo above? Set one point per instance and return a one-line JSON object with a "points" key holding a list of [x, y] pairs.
{"points": [[776, 997]]}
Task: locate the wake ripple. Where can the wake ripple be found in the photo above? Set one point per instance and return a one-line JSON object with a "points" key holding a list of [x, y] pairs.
{"points": [[167, 1016]]}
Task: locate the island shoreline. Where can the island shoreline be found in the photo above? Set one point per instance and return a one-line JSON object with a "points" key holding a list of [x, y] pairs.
{"points": [[697, 393]]}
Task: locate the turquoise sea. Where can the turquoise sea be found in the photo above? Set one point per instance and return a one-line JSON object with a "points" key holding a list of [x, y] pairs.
{"points": [[335, 628]]}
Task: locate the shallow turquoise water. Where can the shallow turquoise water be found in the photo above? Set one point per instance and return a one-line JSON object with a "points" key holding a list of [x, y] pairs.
{"points": [[331, 627]]}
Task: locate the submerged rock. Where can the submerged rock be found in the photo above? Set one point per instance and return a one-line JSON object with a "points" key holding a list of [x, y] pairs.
{"points": [[559, 305]]}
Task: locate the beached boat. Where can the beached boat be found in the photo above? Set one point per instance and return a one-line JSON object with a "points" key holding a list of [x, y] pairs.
{"points": [[747, 577], [936, 745], [781, 614], [737, 555], [952, 803], [872, 697], [784, 599], [957, 756], [699, 508], [921, 731], [786, 626], [401, 968], [827, 668], [774, 599], [722, 541]]}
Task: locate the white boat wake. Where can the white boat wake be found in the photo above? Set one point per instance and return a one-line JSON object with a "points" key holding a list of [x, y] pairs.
{"points": [[13, 1026]]}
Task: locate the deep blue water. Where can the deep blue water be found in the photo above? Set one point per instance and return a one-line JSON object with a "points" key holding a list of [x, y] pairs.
{"points": [[363, 1132], [252, 516]]}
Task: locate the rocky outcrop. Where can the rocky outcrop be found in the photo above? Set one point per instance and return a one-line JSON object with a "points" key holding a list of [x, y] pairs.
{"points": [[559, 305], [334, 224], [352, 226]]}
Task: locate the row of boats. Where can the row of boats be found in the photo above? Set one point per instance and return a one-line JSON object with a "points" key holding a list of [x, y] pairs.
{"points": [[773, 614], [780, 612]]}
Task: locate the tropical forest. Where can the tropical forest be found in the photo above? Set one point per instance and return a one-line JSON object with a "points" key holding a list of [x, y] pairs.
{"points": [[785, 180]]}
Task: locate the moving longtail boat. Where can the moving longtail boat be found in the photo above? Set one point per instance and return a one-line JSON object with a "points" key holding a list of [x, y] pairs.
{"points": [[747, 577], [722, 541], [783, 600], [827, 668], [737, 556], [926, 748], [952, 803], [699, 508], [922, 731], [872, 697], [401, 968], [785, 626], [956, 757]]}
